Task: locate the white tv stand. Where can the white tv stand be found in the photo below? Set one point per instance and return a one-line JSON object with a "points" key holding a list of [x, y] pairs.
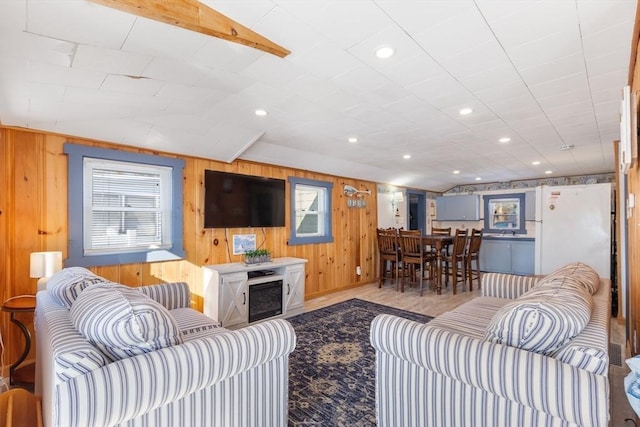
{"points": [[226, 288]]}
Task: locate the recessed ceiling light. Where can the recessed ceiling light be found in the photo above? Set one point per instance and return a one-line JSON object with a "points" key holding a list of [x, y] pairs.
{"points": [[406, 156], [548, 172], [384, 52], [353, 139], [504, 140], [535, 163], [466, 111], [478, 178], [261, 113], [456, 172]]}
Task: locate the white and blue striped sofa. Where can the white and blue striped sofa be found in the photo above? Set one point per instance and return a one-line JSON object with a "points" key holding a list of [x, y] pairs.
{"points": [[214, 377], [449, 373]]}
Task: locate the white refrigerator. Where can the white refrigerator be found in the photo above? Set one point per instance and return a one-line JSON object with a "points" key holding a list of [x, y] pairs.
{"points": [[573, 223]]}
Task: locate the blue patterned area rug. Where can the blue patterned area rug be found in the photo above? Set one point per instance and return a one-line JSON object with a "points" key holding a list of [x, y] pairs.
{"points": [[332, 370]]}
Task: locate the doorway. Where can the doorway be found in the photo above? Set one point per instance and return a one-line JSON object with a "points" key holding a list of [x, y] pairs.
{"points": [[417, 219]]}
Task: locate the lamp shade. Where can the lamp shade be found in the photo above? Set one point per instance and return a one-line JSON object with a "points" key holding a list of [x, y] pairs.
{"points": [[45, 264]]}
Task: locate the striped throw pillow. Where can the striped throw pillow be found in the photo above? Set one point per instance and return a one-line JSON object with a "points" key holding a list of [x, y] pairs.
{"points": [[123, 322], [578, 274], [544, 318], [66, 284]]}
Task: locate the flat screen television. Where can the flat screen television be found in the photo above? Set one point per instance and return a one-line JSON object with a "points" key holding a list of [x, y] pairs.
{"points": [[233, 200]]}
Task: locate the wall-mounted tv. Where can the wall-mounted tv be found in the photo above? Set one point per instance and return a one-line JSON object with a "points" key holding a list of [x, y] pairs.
{"points": [[232, 200]]}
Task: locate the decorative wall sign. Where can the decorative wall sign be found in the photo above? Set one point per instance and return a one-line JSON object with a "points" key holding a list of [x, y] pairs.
{"points": [[356, 203]]}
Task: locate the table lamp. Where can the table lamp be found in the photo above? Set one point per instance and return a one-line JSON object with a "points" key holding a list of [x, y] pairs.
{"points": [[44, 265]]}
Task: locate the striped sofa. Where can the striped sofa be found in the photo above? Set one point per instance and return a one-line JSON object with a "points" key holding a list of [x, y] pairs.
{"points": [[452, 371], [213, 377]]}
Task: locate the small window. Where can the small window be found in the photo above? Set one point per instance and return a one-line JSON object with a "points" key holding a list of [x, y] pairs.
{"points": [[123, 207], [504, 213], [310, 211]]}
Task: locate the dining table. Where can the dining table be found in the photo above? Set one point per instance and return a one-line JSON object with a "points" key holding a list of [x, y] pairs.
{"points": [[437, 242]]}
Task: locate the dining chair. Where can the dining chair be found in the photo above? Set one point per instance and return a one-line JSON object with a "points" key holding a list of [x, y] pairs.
{"points": [[456, 260], [473, 254], [388, 255], [442, 232], [415, 258]]}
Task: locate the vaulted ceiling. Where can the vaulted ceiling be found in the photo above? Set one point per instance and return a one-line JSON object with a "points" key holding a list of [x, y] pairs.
{"points": [[545, 73]]}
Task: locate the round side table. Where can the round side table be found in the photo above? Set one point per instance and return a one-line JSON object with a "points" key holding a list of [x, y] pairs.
{"points": [[21, 375]]}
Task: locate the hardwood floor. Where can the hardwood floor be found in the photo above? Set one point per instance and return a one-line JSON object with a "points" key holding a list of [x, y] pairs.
{"points": [[431, 304]]}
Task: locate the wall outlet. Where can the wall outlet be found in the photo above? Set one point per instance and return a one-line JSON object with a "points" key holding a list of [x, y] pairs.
{"points": [[358, 270]]}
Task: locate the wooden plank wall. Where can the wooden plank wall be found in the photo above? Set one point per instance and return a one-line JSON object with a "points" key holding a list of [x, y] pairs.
{"points": [[633, 222], [33, 217]]}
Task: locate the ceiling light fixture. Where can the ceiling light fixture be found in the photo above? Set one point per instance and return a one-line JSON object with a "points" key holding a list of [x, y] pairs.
{"points": [[535, 163], [466, 111], [406, 156], [261, 113], [504, 140], [548, 172], [384, 52], [478, 178], [456, 172], [353, 139]]}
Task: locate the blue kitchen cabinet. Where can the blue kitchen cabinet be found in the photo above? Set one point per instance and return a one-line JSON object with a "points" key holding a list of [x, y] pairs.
{"points": [[507, 255], [458, 208]]}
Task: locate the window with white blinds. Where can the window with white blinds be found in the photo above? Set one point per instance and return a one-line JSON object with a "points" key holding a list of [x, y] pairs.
{"points": [[127, 207], [124, 207]]}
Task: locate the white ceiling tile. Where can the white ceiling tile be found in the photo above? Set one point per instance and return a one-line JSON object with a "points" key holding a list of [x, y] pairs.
{"points": [[607, 63], [597, 15], [601, 43], [476, 60], [81, 21], [112, 61], [154, 38], [133, 86], [546, 49], [454, 36], [65, 76], [518, 23], [272, 70], [545, 71], [568, 83], [221, 55], [45, 49], [512, 91], [344, 23]]}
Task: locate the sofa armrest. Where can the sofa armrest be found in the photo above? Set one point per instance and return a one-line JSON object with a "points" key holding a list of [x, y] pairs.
{"points": [[130, 387], [510, 286], [170, 295], [529, 379]]}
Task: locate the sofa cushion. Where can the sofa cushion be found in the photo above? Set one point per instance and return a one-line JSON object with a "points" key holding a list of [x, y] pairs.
{"points": [[578, 274], [66, 284], [123, 322], [544, 318]]}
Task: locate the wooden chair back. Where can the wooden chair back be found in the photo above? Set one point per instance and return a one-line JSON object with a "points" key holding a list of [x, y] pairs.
{"points": [[387, 242], [475, 240], [459, 243], [441, 231]]}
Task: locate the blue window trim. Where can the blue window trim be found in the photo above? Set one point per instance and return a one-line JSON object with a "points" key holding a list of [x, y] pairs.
{"points": [[487, 214], [76, 154], [328, 237]]}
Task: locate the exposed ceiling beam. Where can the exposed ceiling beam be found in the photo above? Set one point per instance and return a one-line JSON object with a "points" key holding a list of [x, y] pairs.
{"points": [[195, 16]]}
